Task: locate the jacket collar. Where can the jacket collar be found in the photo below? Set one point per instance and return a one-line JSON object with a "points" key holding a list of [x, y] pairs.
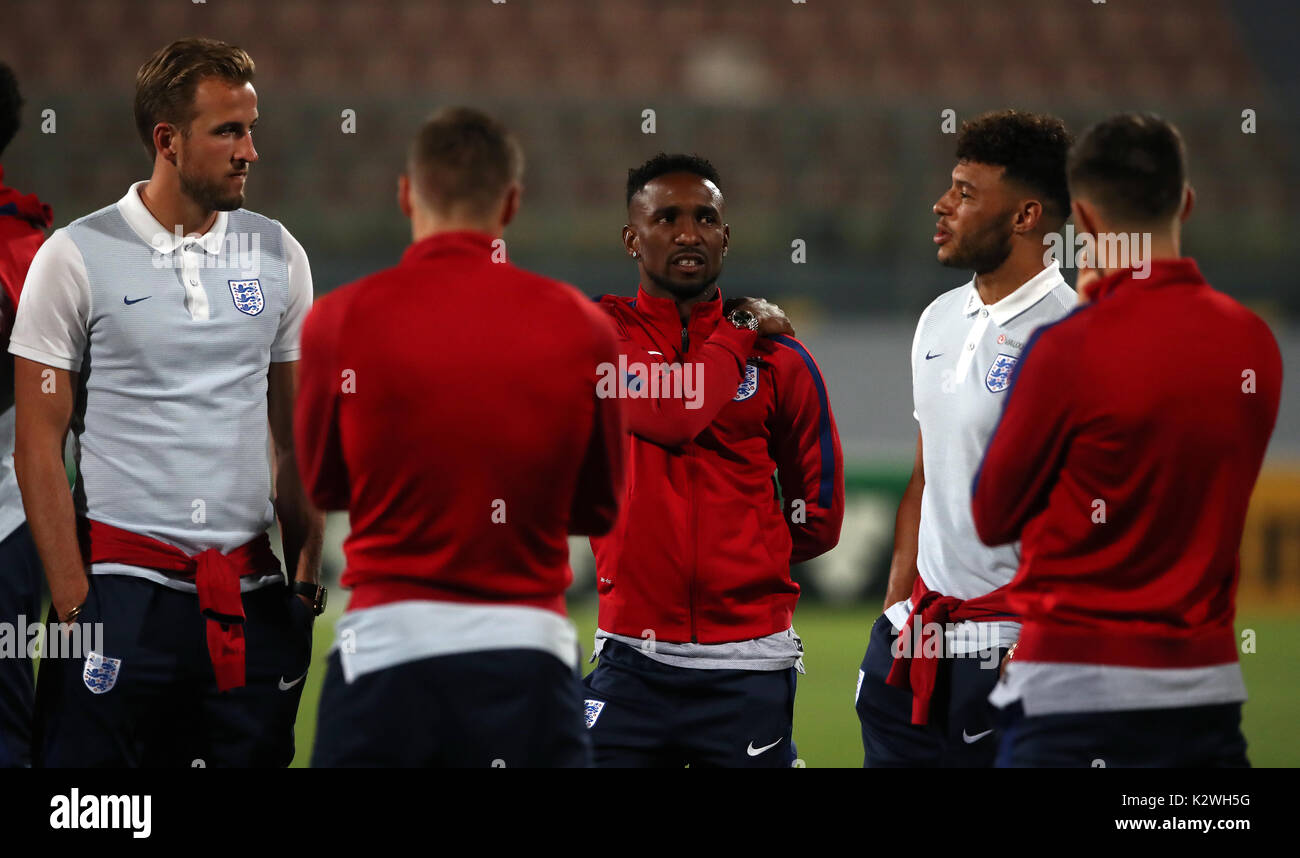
{"points": [[1162, 272], [463, 243], [662, 312]]}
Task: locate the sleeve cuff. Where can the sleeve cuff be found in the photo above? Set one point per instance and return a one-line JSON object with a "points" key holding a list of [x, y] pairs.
{"points": [[738, 341], [56, 361], [285, 355]]}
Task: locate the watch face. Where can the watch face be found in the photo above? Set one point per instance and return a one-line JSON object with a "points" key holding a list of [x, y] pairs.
{"points": [[744, 319]]}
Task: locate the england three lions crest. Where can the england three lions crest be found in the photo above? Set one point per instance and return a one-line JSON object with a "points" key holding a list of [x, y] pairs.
{"points": [[100, 672], [748, 384], [248, 296], [999, 376]]}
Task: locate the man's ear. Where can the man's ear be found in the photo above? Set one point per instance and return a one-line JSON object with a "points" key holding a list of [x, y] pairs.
{"points": [[404, 195], [164, 142], [629, 240], [1085, 217], [1189, 203], [510, 205]]}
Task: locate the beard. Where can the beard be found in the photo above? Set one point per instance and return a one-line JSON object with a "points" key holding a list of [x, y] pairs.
{"points": [[209, 194], [682, 291], [983, 251]]}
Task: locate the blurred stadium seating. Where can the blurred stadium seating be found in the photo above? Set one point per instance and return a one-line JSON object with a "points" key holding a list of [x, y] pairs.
{"points": [[823, 117]]}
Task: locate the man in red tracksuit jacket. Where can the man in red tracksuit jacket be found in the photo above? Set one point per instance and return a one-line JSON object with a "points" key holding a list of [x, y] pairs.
{"points": [[450, 405], [697, 650], [1124, 461], [23, 221]]}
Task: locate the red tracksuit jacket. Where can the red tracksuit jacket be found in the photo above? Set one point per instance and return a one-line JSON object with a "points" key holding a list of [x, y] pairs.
{"points": [[1157, 401], [23, 221], [449, 404], [702, 549]]}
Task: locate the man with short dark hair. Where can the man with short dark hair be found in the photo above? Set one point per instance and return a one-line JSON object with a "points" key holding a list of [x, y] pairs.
{"points": [[164, 330], [1124, 462], [735, 472], [23, 221], [463, 466], [933, 655]]}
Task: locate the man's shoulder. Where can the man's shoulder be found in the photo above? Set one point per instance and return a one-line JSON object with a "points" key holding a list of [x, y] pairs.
{"points": [[787, 354]]}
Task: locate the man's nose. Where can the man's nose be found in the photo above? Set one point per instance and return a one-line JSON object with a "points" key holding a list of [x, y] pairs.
{"points": [[941, 206], [246, 150]]}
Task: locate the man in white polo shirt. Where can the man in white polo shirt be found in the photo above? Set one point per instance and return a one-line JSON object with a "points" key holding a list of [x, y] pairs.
{"points": [[164, 330], [933, 656]]}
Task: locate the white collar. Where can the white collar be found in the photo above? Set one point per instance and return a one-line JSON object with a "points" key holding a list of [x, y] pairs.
{"points": [[1027, 295], [162, 239]]}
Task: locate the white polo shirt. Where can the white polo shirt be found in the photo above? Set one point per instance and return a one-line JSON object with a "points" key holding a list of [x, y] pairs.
{"points": [[171, 338], [962, 357]]}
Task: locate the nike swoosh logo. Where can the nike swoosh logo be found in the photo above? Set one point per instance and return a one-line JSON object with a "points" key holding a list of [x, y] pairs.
{"points": [[285, 686], [969, 739], [929, 356], [127, 301], [754, 752]]}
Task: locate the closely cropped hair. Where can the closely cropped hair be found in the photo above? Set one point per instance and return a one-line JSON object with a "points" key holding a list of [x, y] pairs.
{"points": [[463, 160], [165, 84], [663, 164], [1031, 146], [11, 106], [1133, 166]]}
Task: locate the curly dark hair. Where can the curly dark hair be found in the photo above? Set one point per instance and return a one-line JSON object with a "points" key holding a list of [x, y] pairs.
{"points": [[1032, 147], [662, 164], [11, 106], [1133, 165]]}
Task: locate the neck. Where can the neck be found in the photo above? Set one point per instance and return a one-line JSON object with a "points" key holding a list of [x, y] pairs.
{"points": [[163, 198], [684, 305], [1159, 245], [426, 225], [1022, 265]]}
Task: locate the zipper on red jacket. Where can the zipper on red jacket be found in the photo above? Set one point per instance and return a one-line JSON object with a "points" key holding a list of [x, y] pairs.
{"points": [[694, 540]]}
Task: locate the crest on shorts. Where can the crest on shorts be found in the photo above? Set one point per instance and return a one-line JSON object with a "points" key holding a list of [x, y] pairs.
{"points": [[748, 384], [999, 376], [591, 711], [100, 672], [248, 296]]}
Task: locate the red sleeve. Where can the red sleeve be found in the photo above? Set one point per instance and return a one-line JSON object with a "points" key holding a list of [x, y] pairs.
{"points": [[316, 412], [1028, 446], [809, 462], [672, 421], [600, 481]]}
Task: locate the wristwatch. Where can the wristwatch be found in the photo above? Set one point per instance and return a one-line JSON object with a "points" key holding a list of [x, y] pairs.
{"points": [[743, 319], [317, 593]]}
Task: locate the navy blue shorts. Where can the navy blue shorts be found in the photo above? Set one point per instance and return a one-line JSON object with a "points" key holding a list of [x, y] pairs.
{"points": [[149, 697], [20, 606], [508, 708], [645, 714], [961, 732], [1187, 737]]}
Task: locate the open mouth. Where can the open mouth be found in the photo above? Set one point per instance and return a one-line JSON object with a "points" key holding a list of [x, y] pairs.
{"points": [[689, 262], [941, 235]]}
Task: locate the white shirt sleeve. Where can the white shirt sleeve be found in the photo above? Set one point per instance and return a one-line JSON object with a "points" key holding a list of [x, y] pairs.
{"points": [[53, 316], [286, 345]]}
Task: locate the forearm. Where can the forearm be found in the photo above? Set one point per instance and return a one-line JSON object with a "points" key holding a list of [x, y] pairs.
{"points": [[47, 501], [302, 526], [907, 526]]}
